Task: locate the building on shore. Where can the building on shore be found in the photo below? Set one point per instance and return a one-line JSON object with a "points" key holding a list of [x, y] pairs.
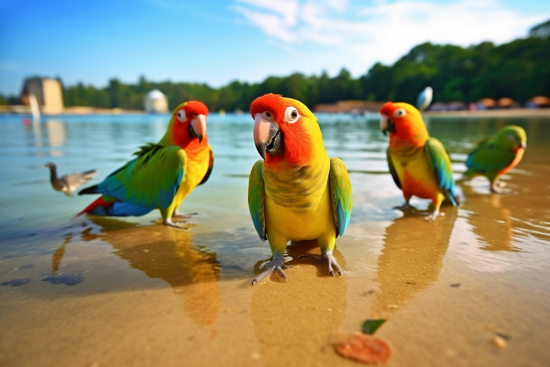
{"points": [[48, 94], [538, 102], [156, 102]]}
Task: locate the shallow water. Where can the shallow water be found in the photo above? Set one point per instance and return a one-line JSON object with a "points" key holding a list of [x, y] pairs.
{"points": [[128, 291]]}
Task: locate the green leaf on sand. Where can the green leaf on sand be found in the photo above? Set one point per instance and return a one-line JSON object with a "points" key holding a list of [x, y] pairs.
{"points": [[371, 325]]}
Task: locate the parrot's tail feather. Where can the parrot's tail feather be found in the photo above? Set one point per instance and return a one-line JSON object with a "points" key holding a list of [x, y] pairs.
{"points": [[115, 209], [457, 200], [96, 204], [453, 196], [89, 190]]}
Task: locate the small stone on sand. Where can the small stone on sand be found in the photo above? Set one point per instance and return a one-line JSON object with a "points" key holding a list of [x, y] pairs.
{"points": [[364, 348], [499, 342]]}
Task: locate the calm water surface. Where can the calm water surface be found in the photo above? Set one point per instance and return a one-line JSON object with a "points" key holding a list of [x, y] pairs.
{"points": [[128, 291]]}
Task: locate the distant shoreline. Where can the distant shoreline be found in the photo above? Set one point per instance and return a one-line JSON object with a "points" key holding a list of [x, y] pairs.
{"points": [[505, 113], [514, 112]]}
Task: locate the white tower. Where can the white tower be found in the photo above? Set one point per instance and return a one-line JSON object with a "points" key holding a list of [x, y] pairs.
{"points": [[156, 102]]}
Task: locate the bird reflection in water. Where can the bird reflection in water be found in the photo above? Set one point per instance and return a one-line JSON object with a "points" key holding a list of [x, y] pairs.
{"points": [[490, 220], [411, 259], [168, 254], [59, 253]]}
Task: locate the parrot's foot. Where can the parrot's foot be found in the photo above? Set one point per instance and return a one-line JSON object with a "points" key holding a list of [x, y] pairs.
{"points": [[403, 207], [431, 216], [277, 264], [329, 259], [498, 188], [177, 214], [168, 222]]}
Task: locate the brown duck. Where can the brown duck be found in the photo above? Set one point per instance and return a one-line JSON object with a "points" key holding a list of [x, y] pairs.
{"points": [[68, 183]]}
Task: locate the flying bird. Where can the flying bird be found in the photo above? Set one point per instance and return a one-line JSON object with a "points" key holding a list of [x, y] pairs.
{"points": [[497, 155], [70, 182], [419, 164], [295, 192], [162, 174]]}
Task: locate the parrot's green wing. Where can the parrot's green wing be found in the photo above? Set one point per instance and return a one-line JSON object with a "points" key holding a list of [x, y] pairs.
{"points": [[340, 194], [256, 199], [488, 157], [148, 181], [441, 165], [392, 169], [210, 166]]}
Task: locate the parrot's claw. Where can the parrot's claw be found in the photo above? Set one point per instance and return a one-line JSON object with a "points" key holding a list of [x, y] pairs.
{"points": [[432, 216], [498, 188], [177, 214], [276, 264], [328, 258], [168, 222]]}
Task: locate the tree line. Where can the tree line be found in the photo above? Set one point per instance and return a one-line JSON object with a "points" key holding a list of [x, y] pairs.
{"points": [[519, 70]]}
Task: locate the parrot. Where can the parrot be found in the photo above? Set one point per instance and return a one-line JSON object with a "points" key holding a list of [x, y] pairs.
{"points": [[162, 174], [420, 165], [497, 155], [295, 192]]}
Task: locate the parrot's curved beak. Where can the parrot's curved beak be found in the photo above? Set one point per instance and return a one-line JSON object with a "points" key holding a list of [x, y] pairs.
{"points": [[197, 127], [268, 137], [386, 124], [523, 144]]}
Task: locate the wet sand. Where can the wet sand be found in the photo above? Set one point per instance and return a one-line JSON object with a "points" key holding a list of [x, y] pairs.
{"points": [[152, 295]]}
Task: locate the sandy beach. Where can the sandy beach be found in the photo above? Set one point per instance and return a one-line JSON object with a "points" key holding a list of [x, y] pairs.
{"points": [[132, 292]]}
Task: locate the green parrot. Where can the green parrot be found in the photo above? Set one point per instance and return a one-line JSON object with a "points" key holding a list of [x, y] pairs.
{"points": [[162, 174], [497, 155]]}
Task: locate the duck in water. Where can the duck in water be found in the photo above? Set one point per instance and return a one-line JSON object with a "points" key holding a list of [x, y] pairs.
{"points": [[68, 183]]}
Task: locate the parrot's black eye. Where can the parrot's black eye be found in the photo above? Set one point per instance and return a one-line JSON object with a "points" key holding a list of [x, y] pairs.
{"points": [[268, 114], [196, 114], [400, 112], [181, 116], [291, 115], [511, 137]]}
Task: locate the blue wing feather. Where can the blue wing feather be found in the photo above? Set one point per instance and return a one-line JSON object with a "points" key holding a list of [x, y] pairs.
{"points": [[441, 164], [340, 192]]}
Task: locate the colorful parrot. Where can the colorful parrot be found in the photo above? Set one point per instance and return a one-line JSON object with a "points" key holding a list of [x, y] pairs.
{"points": [[296, 192], [495, 156], [163, 174], [419, 165]]}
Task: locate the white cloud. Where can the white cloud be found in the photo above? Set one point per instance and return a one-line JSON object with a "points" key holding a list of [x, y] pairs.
{"points": [[285, 9], [384, 31]]}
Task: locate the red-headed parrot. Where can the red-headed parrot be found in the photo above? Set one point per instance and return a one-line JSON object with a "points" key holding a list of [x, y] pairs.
{"points": [[419, 165], [163, 174], [497, 155], [296, 192]]}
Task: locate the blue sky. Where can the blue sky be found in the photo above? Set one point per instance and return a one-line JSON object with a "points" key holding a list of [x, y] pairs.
{"points": [[219, 41]]}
